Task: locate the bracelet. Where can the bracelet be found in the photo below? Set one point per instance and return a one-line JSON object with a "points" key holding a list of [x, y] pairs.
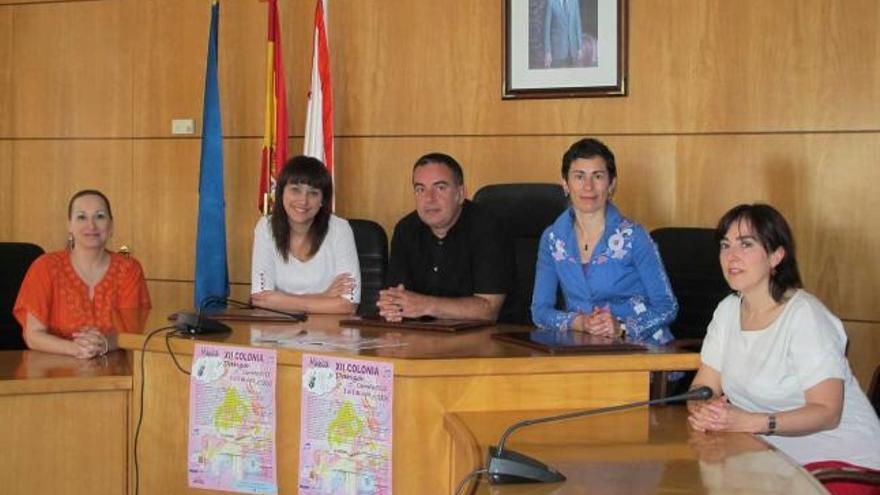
{"points": [[771, 424]]}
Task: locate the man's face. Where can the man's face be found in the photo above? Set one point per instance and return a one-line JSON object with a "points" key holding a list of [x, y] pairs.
{"points": [[438, 197]]}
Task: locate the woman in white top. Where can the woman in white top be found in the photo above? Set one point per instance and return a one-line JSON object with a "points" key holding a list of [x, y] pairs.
{"points": [[304, 257], [774, 354]]}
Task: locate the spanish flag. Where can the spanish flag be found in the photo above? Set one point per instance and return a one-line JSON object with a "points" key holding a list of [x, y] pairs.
{"points": [[275, 130]]}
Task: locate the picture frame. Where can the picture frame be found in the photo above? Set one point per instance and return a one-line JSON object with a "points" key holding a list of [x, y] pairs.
{"points": [[564, 48]]}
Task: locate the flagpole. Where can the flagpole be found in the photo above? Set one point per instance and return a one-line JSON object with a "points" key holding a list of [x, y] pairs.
{"points": [[274, 151], [318, 141], [211, 278]]}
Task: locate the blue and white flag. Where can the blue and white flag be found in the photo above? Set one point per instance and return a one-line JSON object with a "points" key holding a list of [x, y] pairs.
{"points": [[212, 276]]}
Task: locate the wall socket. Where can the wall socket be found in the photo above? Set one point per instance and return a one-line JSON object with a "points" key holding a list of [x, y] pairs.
{"points": [[183, 127]]}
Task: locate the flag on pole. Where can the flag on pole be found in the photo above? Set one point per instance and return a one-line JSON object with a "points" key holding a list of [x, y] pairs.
{"points": [[275, 128], [319, 116], [211, 277]]}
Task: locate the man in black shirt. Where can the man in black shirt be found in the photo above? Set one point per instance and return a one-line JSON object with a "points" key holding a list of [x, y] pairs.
{"points": [[449, 258]]}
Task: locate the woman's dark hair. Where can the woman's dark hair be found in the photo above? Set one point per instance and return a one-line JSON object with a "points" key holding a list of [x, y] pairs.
{"points": [[772, 231], [311, 172], [88, 192], [589, 148]]}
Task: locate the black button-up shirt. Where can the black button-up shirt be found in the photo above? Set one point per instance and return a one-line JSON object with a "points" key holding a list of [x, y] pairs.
{"points": [[473, 258]]}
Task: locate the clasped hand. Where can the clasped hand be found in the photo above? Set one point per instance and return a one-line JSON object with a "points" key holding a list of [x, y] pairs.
{"points": [[600, 323], [717, 414], [397, 303], [90, 342]]}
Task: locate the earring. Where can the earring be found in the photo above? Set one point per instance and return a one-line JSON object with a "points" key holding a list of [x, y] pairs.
{"points": [[69, 241]]}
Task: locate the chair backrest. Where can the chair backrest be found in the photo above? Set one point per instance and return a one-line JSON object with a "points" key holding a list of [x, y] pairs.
{"points": [[372, 248], [15, 259], [690, 256], [524, 211]]}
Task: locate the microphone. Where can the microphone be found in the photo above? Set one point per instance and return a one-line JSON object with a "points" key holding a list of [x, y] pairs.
{"points": [[208, 303], [507, 466]]}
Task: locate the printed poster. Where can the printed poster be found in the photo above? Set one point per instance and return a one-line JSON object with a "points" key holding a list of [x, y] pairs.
{"points": [[345, 426], [232, 419]]}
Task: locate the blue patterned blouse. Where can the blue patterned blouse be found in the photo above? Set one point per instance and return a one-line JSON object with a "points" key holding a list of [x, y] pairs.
{"points": [[625, 274]]}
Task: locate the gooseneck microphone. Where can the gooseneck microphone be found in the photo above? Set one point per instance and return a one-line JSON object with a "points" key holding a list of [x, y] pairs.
{"points": [[201, 322], [220, 301], [506, 466]]}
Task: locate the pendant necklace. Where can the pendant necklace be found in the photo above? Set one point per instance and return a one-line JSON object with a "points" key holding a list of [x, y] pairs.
{"points": [[586, 242]]}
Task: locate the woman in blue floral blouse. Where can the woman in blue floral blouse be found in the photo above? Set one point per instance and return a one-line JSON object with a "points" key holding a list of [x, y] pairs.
{"points": [[607, 265]]}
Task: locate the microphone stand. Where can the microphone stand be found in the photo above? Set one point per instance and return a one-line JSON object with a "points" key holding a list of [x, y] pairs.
{"points": [[200, 322], [506, 466], [208, 301]]}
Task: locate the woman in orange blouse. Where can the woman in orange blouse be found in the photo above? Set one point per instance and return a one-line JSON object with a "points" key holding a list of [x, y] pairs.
{"points": [[67, 299]]}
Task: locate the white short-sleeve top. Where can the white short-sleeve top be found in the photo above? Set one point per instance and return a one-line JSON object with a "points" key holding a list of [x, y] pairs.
{"points": [[336, 255], [769, 370]]}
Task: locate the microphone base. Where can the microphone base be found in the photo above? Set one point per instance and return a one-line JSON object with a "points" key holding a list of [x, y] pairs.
{"points": [[197, 324], [512, 467]]}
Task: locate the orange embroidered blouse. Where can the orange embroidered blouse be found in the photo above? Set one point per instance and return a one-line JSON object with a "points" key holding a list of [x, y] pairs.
{"points": [[55, 295]]}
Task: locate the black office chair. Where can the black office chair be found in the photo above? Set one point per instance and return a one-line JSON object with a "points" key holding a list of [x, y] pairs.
{"points": [[15, 259], [372, 248], [524, 211], [690, 256]]}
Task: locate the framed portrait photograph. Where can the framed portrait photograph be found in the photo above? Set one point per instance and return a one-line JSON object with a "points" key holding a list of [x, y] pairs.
{"points": [[564, 48]]}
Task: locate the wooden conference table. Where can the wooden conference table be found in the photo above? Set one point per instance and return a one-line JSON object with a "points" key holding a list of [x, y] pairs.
{"points": [[643, 451], [64, 423], [435, 373]]}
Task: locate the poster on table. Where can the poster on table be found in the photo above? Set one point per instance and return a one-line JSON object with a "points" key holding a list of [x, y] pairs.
{"points": [[232, 420], [345, 426]]}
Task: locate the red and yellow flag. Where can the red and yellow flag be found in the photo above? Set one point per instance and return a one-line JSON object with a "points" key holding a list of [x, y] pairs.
{"points": [[275, 133]]}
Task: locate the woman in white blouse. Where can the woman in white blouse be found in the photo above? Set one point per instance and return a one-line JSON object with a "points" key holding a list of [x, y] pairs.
{"points": [[774, 354], [304, 257]]}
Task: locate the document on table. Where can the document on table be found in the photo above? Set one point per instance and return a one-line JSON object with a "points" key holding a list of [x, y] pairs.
{"points": [[348, 339]]}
